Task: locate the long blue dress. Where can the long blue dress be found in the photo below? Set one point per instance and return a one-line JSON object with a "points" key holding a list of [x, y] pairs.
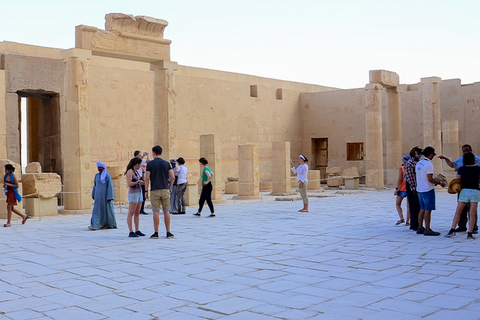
{"points": [[103, 215]]}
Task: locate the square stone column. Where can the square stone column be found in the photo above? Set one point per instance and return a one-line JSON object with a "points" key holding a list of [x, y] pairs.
{"points": [[210, 149], [374, 138], [3, 120], [432, 126], [12, 118], [451, 147], [164, 106], [75, 128], [281, 168], [248, 175], [394, 135]]}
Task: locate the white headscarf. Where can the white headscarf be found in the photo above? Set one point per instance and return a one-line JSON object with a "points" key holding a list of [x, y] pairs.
{"points": [[104, 172]]}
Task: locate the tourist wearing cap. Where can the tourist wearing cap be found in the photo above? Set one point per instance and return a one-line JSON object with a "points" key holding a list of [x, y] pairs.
{"points": [[462, 223], [426, 191], [302, 178], [401, 192], [469, 175]]}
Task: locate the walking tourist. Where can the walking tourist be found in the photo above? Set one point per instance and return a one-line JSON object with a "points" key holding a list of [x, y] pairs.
{"points": [[462, 222], [302, 178], [160, 175], [103, 215], [469, 174], [135, 196], [207, 188], [401, 193], [173, 204], [10, 184], [181, 176], [426, 191], [411, 186]]}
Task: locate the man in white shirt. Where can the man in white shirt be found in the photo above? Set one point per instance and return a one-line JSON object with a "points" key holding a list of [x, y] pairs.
{"points": [[426, 191]]}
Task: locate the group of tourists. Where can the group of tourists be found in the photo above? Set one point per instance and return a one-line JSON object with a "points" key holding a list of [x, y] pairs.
{"points": [[165, 181], [417, 183]]}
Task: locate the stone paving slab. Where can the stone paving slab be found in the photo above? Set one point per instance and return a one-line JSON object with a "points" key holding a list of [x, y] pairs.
{"points": [[345, 259]]}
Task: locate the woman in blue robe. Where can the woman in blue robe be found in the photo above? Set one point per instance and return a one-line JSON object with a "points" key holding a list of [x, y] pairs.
{"points": [[103, 216]]}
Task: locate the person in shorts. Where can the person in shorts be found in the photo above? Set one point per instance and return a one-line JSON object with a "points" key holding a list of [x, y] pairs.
{"points": [[426, 191], [469, 174], [135, 196], [159, 173]]}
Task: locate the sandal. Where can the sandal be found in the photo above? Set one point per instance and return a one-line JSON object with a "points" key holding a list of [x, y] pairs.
{"points": [[407, 224], [400, 221], [7, 225], [25, 220]]}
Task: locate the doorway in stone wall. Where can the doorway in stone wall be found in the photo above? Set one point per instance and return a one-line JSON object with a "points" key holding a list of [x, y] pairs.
{"points": [[320, 153], [40, 130]]}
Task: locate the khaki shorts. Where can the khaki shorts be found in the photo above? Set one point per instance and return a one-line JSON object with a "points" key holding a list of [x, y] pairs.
{"points": [[159, 198]]}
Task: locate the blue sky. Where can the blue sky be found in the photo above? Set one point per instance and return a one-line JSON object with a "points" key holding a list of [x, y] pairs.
{"points": [[333, 43]]}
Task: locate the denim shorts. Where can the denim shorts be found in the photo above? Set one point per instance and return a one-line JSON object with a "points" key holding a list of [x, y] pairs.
{"points": [[136, 197], [427, 200], [401, 194], [469, 195]]}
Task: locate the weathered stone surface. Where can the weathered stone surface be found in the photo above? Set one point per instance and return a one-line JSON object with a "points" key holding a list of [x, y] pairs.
{"points": [[313, 180], [351, 172], [127, 24], [116, 172], [385, 78], [333, 170], [41, 185], [37, 207], [33, 167]]}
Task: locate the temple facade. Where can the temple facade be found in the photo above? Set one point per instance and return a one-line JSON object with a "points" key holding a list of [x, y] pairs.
{"points": [[119, 90]]}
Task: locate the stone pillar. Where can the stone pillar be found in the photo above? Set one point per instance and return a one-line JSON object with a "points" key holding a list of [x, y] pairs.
{"points": [[432, 126], [451, 148], [3, 120], [248, 174], [12, 118], [77, 178], [281, 172], [394, 135], [210, 149], [164, 106], [373, 141]]}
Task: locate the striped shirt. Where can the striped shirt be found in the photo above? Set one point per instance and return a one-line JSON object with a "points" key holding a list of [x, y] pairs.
{"points": [[410, 175]]}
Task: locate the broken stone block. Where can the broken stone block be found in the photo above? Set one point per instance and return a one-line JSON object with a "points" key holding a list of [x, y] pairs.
{"points": [[33, 167], [351, 172], [333, 170], [36, 207], [41, 185]]}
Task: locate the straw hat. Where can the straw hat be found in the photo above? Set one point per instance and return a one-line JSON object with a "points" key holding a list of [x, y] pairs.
{"points": [[455, 186], [440, 177]]}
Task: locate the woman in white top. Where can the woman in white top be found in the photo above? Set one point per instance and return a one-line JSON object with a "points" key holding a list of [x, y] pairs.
{"points": [[302, 178], [181, 172]]}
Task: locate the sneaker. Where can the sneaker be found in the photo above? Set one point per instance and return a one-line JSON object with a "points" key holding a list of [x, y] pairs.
{"points": [[420, 231], [450, 234], [197, 214], [154, 236], [475, 231], [430, 233], [470, 237], [169, 235], [140, 233], [132, 235], [459, 229], [143, 212]]}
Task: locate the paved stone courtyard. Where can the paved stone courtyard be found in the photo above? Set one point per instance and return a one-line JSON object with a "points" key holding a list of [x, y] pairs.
{"points": [[345, 259]]}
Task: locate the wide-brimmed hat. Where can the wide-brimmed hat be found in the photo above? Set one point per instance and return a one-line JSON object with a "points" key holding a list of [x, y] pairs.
{"points": [[440, 177], [455, 186]]}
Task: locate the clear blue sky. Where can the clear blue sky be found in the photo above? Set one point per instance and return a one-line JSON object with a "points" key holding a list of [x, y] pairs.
{"points": [[333, 43]]}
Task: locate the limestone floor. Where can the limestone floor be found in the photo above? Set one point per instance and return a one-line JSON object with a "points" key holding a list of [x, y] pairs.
{"points": [[256, 260]]}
